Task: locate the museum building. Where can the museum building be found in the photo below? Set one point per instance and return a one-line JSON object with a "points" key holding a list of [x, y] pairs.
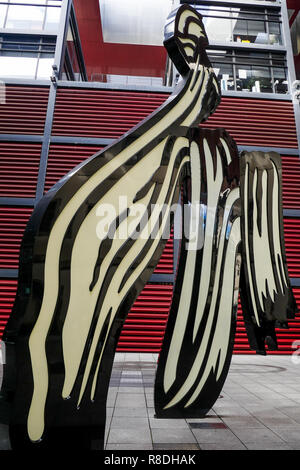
{"points": [[76, 75]]}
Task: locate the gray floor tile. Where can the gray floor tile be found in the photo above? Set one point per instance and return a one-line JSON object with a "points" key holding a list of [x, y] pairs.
{"points": [[259, 407], [223, 446], [138, 446], [166, 446], [131, 412], [129, 422], [258, 436], [129, 436], [168, 423], [215, 436], [167, 436], [268, 446], [126, 400]]}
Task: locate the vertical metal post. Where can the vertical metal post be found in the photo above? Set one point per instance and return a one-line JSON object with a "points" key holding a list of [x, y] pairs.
{"points": [[46, 142], [57, 68], [62, 35]]}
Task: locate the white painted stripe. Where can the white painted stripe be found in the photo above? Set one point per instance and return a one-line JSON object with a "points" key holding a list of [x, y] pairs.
{"points": [[37, 340], [193, 374], [222, 332], [187, 285], [213, 192], [129, 283], [276, 231], [227, 152], [261, 247], [246, 242]]}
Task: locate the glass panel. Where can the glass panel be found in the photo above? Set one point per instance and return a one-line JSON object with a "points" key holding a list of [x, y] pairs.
{"points": [[240, 25], [22, 67], [254, 78], [250, 31], [27, 17], [52, 17], [280, 81], [72, 51], [18, 46], [275, 34], [3, 10], [224, 73], [145, 21], [44, 69], [217, 27]]}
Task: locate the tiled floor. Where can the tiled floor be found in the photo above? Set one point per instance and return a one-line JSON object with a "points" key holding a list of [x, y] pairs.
{"points": [[259, 408]]}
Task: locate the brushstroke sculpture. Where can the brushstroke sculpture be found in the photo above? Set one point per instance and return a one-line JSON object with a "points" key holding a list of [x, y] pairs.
{"points": [[76, 286]]}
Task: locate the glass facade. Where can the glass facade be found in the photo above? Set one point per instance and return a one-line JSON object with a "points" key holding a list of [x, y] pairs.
{"points": [[26, 56], [31, 15], [134, 22], [250, 71], [29, 37], [30, 27], [244, 25]]}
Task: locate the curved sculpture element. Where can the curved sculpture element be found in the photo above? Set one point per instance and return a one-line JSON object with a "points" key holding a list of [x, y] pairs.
{"points": [[199, 337], [241, 229], [266, 294], [79, 275]]}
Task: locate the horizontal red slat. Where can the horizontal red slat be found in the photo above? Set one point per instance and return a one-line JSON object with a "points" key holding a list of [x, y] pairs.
{"points": [[13, 221], [64, 158], [19, 166], [24, 110], [8, 289], [104, 113], [292, 237], [150, 324]]}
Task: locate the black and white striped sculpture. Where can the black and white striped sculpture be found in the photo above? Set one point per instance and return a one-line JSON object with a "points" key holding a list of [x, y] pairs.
{"points": [[79, 277]]}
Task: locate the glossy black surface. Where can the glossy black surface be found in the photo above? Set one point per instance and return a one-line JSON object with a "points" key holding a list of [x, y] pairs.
{"points": [[279, 306], [66, 425], [189, 348]]}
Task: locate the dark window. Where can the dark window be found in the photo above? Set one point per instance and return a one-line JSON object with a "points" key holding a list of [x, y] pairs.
{"points": [[26, 56], [249, 71]]}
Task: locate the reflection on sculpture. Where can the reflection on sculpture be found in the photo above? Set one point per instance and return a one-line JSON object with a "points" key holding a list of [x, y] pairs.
{"points": [[78, 278]]}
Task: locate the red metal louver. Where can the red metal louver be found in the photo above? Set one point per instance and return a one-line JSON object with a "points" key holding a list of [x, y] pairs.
{"points": [[64, 158], [13, 221], [24, 110], [253, 122], [166, 262], [108, 114], [8, 289], [291, 181], [285, 338], [292, 245], [19, 166], [145, 325]]}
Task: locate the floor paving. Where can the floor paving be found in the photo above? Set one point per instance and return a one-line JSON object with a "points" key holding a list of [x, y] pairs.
{"points": [[258, 408]]}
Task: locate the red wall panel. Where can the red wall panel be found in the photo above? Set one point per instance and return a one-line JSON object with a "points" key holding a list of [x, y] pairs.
{"points": [[111, 58], [145, 325], [285, 337], [291, 181], [64, 158], [19, 167], [8, 289], [292, 245], [24, 110], [108, 114], [13, 221]]}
